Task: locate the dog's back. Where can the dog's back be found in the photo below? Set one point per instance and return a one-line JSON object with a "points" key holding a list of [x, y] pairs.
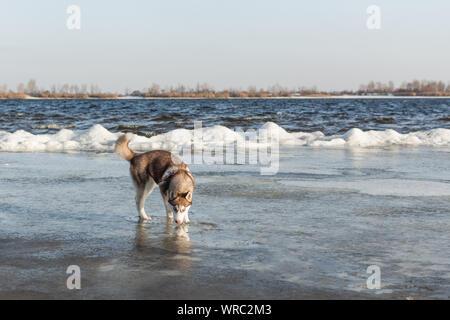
{"points": [[155, 164]]}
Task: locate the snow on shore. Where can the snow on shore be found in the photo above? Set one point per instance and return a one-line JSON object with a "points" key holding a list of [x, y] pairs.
{"points": [[99, 139]]}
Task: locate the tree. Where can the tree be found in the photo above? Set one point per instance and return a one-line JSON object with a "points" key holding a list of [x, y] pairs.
{"points": [[31, 87], [206, 88], [391, 86], [415, 85], [20, 88], [65, 88], [371, 87], [252, 91], [95, 89], [154, 90], [181, 90], [363, 88]]}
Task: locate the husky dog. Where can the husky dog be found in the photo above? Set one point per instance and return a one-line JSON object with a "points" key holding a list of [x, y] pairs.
{"points": [[165, 169]]}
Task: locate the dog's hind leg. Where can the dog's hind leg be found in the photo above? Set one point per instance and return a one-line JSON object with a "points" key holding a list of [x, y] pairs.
{"points": [[142, 192]]}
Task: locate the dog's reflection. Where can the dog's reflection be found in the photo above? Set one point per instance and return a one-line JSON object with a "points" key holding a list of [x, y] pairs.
{"points": [[173, 248]]}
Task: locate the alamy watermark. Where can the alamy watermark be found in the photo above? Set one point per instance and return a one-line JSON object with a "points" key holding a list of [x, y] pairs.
{"points": [[73, 21], [374, 19], [253, 147], [374, 280], [74, 280]]}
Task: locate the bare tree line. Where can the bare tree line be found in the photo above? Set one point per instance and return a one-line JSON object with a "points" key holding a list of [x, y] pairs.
{"points": [[204, 90], [69, 91], [415, 87]]}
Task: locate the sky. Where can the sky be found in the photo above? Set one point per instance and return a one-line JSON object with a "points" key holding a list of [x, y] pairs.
{"points": [[134, 43]]}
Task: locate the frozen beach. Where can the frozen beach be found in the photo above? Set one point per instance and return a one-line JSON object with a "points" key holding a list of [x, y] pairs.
{"points": [[341, 201], [311, 231]]}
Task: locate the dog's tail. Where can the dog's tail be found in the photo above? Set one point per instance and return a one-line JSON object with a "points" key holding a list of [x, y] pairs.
{"points": [[122, 148]]}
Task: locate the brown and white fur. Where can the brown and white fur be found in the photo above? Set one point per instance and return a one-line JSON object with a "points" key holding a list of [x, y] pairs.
{"points": [[165, 169]]}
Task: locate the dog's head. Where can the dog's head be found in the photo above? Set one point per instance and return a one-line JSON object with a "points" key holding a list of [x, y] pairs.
{"points": [[180, 195], [181, 203]]}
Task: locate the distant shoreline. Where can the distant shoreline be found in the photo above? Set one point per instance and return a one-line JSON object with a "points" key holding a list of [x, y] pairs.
{"points": [[239, 98], [373, 90]]}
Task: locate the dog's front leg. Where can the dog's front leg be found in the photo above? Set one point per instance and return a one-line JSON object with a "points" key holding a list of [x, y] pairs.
{"points": [[186, 216], [169, 212]]}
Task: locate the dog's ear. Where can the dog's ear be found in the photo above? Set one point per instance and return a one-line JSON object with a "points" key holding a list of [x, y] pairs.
{"points": [[173, 195], [188, 196]]}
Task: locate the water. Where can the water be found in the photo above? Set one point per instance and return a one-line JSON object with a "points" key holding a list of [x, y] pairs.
{"points": [[149, 117], [310, 231]]}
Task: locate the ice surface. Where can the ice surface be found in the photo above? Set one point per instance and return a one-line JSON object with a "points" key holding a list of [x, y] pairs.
{"points": [[309, 231], [381, 187]]}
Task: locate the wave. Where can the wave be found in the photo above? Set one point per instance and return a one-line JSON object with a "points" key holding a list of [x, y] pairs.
{"points": [[99, 139], [52, 126]]}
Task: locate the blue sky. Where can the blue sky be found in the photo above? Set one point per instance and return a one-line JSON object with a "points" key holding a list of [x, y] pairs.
{"points": [[225, 43]]}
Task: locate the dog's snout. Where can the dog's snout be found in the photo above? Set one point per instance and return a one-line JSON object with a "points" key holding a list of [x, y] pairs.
{"points": [[178, 221]]}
